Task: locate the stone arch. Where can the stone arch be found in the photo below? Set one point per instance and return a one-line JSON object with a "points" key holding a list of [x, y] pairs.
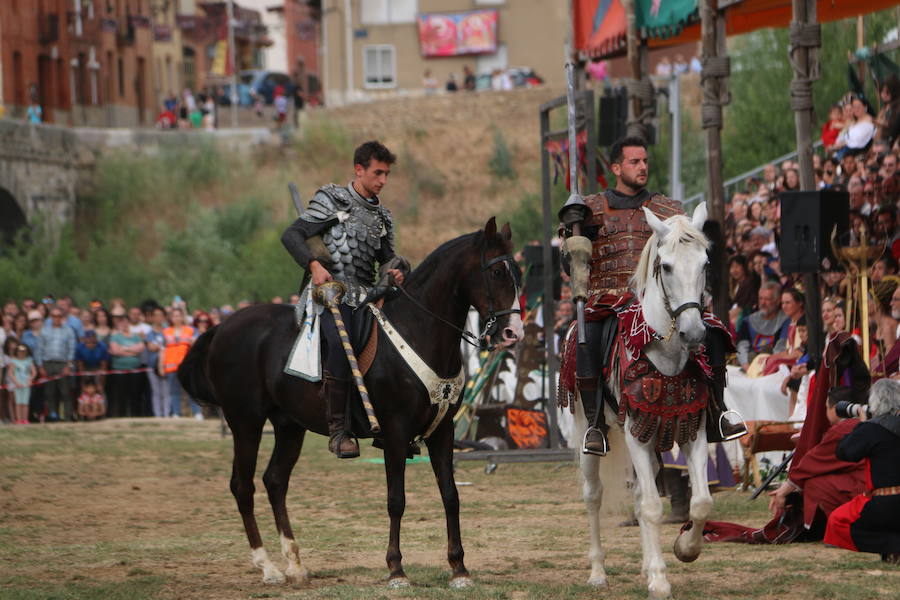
{"points": [[12, 219]]}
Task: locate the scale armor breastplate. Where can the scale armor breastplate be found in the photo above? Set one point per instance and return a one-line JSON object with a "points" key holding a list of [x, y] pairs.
{"points": [[354, 241], [620, 239]]}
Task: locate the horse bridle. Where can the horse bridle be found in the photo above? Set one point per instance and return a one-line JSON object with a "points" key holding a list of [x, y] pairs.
{"points": [[673, 314], [490, 325]]}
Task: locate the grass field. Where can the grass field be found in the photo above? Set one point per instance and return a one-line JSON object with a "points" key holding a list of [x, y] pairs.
{"points": [[141, 509]]}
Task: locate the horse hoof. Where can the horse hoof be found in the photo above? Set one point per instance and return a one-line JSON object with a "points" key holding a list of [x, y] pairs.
{"points": [[660, 592], [598, 582], [297, 576], [685, 556], [273, 577], [458, 583], [398, 583]]}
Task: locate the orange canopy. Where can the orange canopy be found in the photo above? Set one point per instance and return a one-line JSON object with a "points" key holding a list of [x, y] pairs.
{"points": [[600, 24]]}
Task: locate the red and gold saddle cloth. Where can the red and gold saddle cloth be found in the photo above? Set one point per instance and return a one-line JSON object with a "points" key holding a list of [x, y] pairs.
{"points": [[668, 408]]}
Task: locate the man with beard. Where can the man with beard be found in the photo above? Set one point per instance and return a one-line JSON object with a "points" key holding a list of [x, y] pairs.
{"points": [[617, 229]]}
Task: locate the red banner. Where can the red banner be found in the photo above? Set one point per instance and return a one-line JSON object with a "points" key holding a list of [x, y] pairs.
{"points": [[459, 33]]}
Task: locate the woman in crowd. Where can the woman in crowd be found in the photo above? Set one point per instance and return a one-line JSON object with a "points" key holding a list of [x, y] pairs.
{"points": [[886, 346], [179, 338], [755, 214], [20, 325], [101, 325], [156, 341], [125, 348], [791, 349], [791, 180], [202, 323], [744, 286], [860, 132]]}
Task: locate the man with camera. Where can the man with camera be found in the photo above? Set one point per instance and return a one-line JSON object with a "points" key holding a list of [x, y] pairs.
{"points": [[824, 482], [868, 522]]}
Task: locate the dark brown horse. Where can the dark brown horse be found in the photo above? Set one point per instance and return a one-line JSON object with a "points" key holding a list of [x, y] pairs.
{"points": [[239, 366]]}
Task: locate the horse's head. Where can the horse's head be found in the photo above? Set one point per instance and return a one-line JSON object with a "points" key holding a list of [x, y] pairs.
{"points": [[491, 285], [671, 276]]}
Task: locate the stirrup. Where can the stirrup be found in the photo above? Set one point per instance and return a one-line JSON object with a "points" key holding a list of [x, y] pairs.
{"points": [[586, 450], [334, 445], [740, 428]]}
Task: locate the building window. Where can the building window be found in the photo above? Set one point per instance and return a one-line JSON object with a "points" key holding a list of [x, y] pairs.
{"points": [[388, 12], [121, 78], [380, 66]]}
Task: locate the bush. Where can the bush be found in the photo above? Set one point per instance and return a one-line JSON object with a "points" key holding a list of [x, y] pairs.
{"points": [[501, 163]]}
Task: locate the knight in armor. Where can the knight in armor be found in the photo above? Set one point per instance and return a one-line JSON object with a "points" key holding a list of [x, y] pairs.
{"points": [[617, 228], [341, 236]]}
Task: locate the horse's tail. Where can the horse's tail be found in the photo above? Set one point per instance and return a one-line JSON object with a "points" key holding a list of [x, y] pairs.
{"points": [[192, 374]]}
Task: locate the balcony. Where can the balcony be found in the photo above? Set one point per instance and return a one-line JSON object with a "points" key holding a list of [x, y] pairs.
{"points": [[48, 28]]}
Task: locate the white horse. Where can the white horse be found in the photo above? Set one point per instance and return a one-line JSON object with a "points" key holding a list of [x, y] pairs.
{"points": [[669, 282]]}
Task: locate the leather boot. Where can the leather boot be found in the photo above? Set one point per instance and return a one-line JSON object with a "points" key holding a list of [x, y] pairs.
{"points": [[341, 441], [594, 441], [679, 491], [718, 428]]}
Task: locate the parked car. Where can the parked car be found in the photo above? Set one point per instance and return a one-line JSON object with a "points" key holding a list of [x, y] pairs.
{"points": [[258, 82], [520, 77]]}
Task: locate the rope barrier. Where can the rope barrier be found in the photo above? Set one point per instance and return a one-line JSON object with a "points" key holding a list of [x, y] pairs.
{"points": [[43, 380]]}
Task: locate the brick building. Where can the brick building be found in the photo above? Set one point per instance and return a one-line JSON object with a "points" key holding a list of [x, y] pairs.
{"points": [[85, 62]]}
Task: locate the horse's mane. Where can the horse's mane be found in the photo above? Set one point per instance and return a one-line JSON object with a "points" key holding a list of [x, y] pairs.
{"points": [[436, 261], [681, 231]]}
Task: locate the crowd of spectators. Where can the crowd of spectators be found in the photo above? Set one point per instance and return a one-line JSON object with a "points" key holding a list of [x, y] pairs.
{"points": [[64, 362], [860, 154]]}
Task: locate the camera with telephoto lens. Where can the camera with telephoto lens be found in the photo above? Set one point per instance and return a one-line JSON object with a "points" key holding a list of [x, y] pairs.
{"points": [[851, 410]]}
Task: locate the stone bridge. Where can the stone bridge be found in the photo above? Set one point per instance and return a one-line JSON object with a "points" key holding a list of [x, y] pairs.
{"points": [[43, 167], [40, 167]]}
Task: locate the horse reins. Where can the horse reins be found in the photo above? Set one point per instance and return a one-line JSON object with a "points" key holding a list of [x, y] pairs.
{"points": [[491, 321]]}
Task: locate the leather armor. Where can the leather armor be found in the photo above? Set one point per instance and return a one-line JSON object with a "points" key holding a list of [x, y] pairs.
{"points": [[355, 240], [619, 240]]}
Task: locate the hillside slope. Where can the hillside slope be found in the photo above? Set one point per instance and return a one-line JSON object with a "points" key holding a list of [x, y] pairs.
{"points": [[443, 184]]}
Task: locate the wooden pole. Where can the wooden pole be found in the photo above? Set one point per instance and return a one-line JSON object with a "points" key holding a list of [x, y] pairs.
{"points": [[805, 63], [637, 66], [711, 22]]}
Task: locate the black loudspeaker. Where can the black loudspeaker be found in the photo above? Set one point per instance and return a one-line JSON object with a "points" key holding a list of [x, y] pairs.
{"points": [[534, 263], [807, 220], [612, 116]]}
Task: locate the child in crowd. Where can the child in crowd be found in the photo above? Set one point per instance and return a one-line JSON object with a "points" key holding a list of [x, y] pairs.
{"points": [[91, 403], [20, 373], [280, 105]]}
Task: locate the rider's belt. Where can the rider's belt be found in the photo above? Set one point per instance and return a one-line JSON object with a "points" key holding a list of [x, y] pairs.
{"points": [[893, 490]]}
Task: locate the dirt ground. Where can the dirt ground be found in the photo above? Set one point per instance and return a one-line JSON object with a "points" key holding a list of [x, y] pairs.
{"points": [[141, 509]]}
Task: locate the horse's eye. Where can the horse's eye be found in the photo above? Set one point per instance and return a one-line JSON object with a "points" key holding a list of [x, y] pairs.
{"points": [[497, 273], [667, 268]]}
